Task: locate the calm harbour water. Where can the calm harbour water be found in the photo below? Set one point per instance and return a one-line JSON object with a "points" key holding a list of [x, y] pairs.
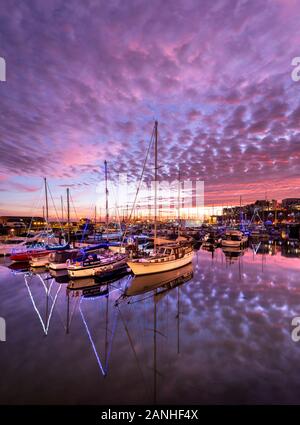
{"points": [[219, 333]]}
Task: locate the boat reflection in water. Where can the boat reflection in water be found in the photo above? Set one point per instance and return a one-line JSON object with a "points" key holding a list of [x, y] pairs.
{"points": [[232, 254], [19, 267], [87, 287], [159, 284], [168, 280], [93, 284], [154, 338], [61, 276], [291, 249]]}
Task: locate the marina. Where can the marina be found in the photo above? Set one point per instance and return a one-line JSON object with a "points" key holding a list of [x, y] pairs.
{"points": [[149, 210], [194, 311]]}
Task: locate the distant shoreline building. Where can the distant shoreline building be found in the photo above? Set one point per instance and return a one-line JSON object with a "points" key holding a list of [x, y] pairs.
{"points": [[268, 211], [291, 203], [21, 221]]}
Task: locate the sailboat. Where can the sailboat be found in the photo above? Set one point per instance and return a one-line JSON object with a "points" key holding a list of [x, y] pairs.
{"points": [[11, 243], [40, 249], [98, 264], [171, 254]]}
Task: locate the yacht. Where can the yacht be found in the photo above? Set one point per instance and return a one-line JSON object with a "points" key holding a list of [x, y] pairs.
{"points": [[15, 244], [7, 245], [166, 256], [234, 238]]}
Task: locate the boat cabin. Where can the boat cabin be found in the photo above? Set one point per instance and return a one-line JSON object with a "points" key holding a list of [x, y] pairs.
{"points": [[173, 251]]}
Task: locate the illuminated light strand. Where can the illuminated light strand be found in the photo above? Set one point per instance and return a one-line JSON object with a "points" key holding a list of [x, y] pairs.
{"points": [[91, 341], [34, 306], [45, 287], [52, 307], [47, 291], [45, 328], [104, 369], [256, 247]]}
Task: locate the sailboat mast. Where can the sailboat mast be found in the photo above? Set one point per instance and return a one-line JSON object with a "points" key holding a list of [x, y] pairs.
{"points": [[178, 323], [155, 185], [179, 196], [106, 199], [46, 198], [62, 209], [68, 210]]}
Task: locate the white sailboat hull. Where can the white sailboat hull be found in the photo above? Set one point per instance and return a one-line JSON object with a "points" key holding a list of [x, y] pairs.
{"points": [[150, 266], [82, 272], [5, 249], [77, 271]]}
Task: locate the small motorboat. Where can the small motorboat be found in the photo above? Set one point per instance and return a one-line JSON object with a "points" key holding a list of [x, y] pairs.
{"points": [[8, 244]]}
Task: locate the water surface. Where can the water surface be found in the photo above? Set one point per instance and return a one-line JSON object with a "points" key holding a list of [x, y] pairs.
{"points": [[216, 332]]}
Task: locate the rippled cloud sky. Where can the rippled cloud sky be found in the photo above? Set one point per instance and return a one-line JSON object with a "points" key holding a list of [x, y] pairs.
{"points": [[86, 79]]}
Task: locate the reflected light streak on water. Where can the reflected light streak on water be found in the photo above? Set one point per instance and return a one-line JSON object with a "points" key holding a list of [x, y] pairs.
{"points": [[223, 334]]}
